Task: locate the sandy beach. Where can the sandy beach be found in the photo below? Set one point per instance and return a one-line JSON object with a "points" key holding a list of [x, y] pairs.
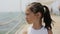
{"points": [[56, 27]]}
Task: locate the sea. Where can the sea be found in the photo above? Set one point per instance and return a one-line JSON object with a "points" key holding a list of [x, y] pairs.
{"points": [[10, 22]]}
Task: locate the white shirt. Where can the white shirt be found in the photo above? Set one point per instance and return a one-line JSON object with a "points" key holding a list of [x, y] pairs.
{"points": [[40, 31]]}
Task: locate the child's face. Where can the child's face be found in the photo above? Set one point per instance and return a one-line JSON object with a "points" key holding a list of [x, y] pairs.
{"points": [[31, 17]]}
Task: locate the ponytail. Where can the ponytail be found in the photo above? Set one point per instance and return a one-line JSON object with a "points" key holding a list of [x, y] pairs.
{"points": [[47, 18]]}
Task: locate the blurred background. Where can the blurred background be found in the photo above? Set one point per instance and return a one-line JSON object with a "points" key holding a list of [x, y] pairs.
{"points": [[12, 15]]}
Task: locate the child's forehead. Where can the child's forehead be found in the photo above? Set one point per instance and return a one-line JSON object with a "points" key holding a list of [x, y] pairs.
{"points": [[28, 10]]}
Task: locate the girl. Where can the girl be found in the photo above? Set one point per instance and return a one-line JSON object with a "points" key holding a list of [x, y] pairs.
{"points": [[35, 13]]}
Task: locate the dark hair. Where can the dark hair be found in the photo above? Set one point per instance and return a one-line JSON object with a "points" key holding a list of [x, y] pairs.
{"points": [[37, 7]]}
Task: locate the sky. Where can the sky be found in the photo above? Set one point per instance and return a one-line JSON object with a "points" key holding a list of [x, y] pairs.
{"points": [[14, 5], [9, 5]]}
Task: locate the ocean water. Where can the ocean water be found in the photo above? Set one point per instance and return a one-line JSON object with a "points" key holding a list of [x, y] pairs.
{"points": [[10, 22]]}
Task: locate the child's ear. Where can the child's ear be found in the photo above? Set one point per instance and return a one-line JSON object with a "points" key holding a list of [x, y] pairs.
{"points": [[38, 14]]}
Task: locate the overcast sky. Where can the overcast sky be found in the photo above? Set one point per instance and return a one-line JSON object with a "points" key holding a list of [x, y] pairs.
{"points": [[9, 5], [13, 5]]}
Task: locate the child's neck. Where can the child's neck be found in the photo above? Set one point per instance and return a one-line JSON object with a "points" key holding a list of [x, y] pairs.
{"points": [[37, 25]]}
